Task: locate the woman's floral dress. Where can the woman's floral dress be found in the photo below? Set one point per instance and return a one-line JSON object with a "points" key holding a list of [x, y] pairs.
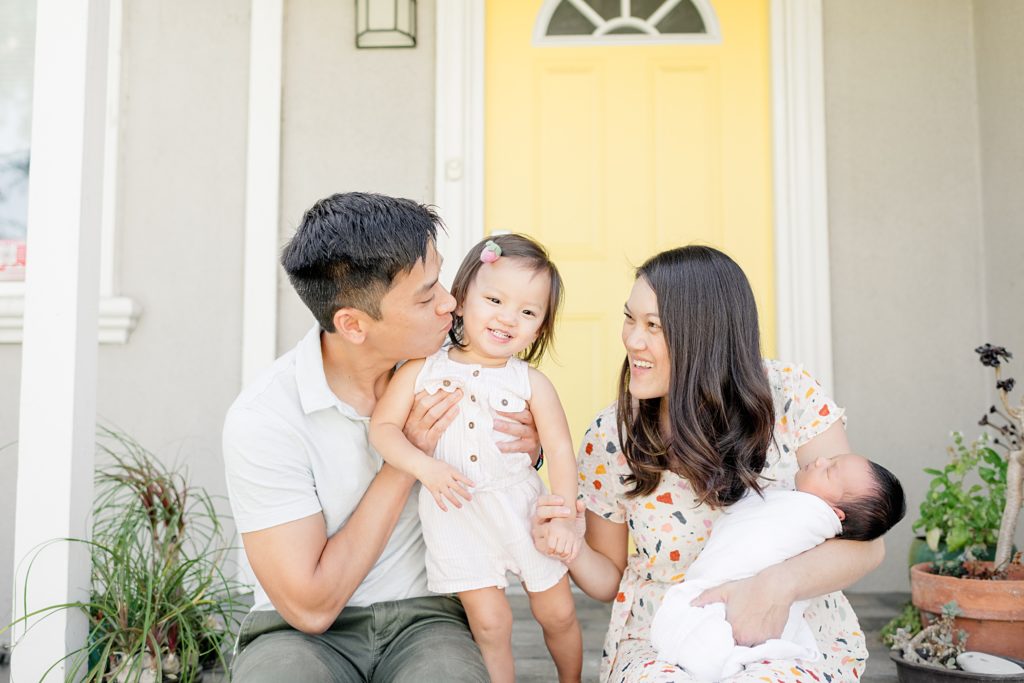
{"points": [[669, 529]]}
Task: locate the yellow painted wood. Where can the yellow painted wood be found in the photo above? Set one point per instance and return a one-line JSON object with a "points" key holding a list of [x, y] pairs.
{"points": [[609, 154]]}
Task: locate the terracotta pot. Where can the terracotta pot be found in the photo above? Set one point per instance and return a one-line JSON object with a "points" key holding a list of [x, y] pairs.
{"points": [[922, 673], [992, 611]]}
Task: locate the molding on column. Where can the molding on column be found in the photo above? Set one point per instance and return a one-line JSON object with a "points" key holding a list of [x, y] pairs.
{"points": [[803, 292], [459, 128], [262, 188]]}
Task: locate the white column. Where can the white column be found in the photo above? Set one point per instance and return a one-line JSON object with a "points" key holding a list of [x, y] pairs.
{"points": [[801, 199], [58, 383], [459, 128], [262, 188]]}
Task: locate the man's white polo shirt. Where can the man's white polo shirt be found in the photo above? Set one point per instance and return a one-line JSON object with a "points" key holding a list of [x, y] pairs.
{"points": [[292, 449]]}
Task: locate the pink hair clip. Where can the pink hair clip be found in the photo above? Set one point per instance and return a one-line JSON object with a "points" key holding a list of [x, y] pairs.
{"points": [[491, 252]]}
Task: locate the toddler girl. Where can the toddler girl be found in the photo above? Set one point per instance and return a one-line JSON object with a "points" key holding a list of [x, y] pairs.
{"points": [[475, 502]]}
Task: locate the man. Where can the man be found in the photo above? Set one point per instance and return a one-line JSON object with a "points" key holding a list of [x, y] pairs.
{"points": [[331, 532]]}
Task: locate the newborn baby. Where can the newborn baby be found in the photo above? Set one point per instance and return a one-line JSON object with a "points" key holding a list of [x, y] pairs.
{"points": [[845, 495]]}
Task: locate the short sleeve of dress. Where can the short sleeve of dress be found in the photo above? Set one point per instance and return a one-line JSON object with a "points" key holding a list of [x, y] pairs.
{"points": [[810, 409], [601, 467]]}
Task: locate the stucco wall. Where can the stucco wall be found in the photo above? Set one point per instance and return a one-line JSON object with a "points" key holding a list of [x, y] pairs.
{"points": [[179, 230], [905, 217], [999, 25], [351, 120]]}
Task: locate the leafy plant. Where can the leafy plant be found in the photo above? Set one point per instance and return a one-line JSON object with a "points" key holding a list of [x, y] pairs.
{"points": [[161, 606], [965, 498], [908, 620], [962, 509]]}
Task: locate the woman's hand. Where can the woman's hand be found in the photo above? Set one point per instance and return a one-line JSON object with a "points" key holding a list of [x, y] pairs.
{"points": [[521, 426], [550, 508], [430, 416], [756, 610]]}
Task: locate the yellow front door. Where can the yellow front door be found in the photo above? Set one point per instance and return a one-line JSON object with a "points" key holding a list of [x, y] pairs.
{"points": [[608, 153]]}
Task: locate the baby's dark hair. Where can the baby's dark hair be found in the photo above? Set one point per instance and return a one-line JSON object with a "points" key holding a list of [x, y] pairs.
{"points": [[535, 257], [871, 515]]}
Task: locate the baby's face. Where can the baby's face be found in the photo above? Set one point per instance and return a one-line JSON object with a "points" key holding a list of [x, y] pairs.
{"points": [[837, 478]]}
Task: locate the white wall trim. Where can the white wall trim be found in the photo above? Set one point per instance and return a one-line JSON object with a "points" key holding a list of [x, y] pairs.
{"points": [[112, 140], [262, 188], [459, 128], [118, 315], [803, 292], [803, 300], [57, 417]]}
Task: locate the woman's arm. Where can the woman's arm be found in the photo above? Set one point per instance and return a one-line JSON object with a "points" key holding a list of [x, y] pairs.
{"points": [[598, 568], [757, 607]]}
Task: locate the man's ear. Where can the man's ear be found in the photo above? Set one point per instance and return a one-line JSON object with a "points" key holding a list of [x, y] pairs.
{"points": [[839, 513], [351, 324]]}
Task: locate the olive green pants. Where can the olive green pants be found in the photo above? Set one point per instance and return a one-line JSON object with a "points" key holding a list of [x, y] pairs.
{"points": [[420, 640]]}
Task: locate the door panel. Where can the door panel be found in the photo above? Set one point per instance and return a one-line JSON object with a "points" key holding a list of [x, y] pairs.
{"points": [[608, 154]]}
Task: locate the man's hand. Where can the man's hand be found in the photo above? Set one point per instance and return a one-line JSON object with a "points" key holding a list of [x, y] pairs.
{"points": [[757, 612], [550, 508], [443, 481], [521, 426], [430, 416]]}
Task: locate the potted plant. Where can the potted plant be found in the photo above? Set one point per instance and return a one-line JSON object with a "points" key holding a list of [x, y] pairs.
{"points": [[990, 594], [161, 606], [933, 653], [964, 504]]}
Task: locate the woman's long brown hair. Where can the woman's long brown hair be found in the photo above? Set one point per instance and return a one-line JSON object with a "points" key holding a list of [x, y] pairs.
{"points": [[720, 411]]}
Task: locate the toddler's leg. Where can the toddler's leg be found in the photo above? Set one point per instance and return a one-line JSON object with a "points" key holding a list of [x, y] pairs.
{"points": [[555, 611], [490, 620]]}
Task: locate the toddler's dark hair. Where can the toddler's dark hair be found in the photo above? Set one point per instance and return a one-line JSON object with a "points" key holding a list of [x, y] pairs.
{"points": [[871, 515], [535, 257]]}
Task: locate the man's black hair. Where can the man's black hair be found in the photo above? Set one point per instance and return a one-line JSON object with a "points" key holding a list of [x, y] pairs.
{"points": [[349, 248], [871, 515]]}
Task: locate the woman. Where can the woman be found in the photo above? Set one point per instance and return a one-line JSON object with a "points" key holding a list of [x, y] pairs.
{"points": [[700, 419]]}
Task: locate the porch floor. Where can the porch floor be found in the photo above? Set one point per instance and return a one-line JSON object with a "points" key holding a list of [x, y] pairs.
{"points": [[533, 665]]}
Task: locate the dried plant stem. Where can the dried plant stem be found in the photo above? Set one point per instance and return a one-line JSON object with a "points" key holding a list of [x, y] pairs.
{"points": [[1014, 499], [1014, 484]]}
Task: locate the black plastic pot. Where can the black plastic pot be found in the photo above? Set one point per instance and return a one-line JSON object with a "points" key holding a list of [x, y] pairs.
{"points": [[922, 673]]}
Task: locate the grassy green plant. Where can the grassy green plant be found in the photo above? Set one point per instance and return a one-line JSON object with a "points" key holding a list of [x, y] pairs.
{"points": [[161, 606], [965, 498]]}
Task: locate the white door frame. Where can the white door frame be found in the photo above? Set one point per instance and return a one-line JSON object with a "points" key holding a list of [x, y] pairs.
{"points": [[802, 293]]}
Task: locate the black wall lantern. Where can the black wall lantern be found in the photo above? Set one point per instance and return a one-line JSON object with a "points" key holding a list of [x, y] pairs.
{"points": [[385, 23]]}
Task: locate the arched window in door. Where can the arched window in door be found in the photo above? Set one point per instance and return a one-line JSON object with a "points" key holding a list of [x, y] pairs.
{"points": [[632, 22]]}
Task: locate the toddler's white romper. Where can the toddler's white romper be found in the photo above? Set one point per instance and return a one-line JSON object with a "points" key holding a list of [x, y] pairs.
{"points": [[474, 546]]}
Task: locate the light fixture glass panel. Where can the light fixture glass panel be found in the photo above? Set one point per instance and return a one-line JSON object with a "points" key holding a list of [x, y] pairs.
{"points": [[385, 23]]}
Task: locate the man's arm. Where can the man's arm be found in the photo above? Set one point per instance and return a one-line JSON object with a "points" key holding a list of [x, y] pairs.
{"points": [[310, 578]]}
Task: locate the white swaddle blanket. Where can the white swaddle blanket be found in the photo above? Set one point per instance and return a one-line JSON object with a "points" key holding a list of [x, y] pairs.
{"points": [[751, 534]]}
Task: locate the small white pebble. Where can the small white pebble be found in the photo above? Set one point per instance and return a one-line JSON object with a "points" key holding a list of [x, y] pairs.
{"points": [[982, 663]]}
